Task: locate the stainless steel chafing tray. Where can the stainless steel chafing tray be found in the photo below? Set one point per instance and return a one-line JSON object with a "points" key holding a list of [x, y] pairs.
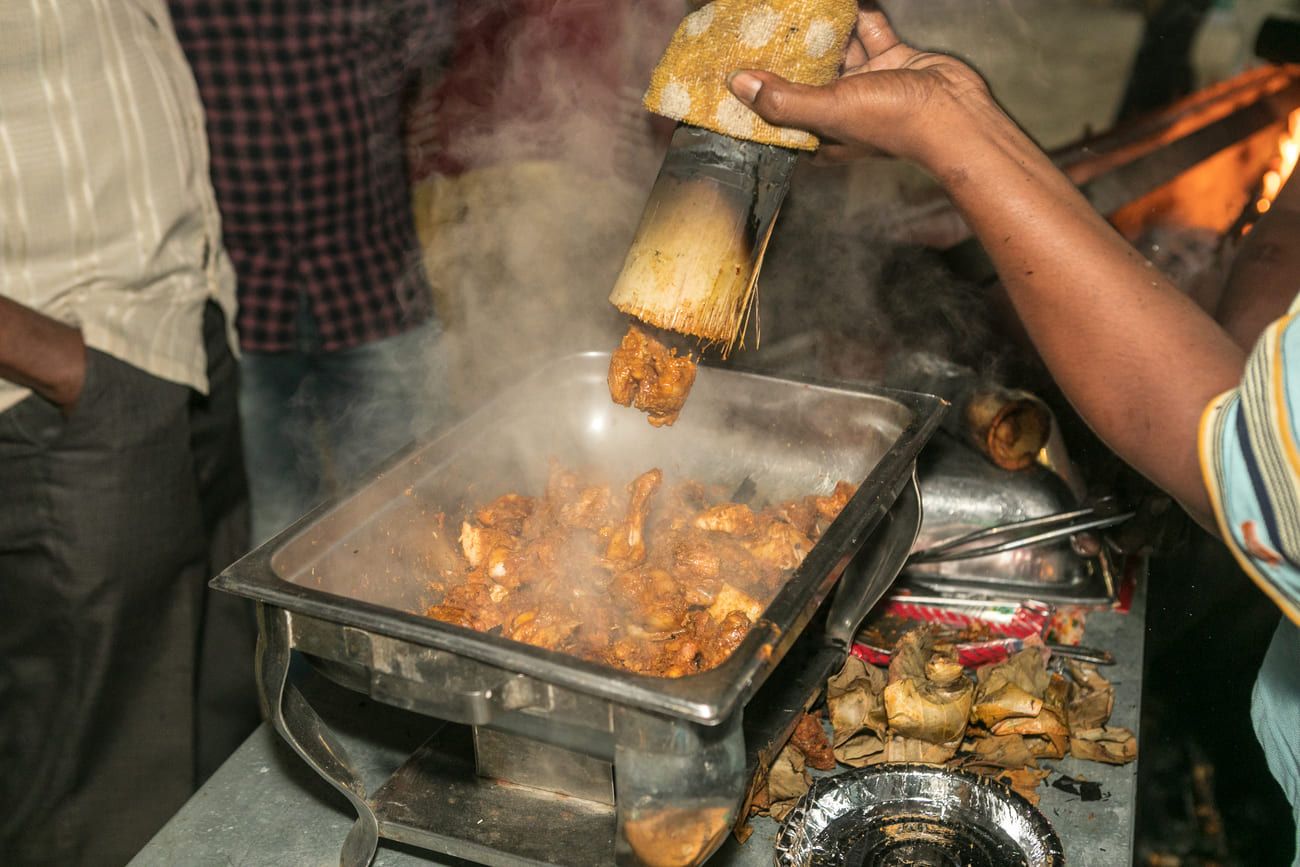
{"points": [[347, 583]]}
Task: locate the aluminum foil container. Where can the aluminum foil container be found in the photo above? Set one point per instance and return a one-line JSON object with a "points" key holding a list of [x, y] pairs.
{"points": [[916, 815]]}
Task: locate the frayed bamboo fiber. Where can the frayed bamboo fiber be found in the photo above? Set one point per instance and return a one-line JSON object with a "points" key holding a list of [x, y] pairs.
{"points": [[693, 267]]}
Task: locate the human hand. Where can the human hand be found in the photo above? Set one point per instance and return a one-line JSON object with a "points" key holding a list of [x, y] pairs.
{"points": [[67, 359], [891, 98], [42, 353]]}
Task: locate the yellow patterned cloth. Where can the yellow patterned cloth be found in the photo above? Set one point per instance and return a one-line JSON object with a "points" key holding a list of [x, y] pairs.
{"points": [[802, 40]]}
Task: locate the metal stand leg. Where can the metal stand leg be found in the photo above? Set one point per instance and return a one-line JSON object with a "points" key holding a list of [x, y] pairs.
{"points": [[299, 724], [678, 789]]}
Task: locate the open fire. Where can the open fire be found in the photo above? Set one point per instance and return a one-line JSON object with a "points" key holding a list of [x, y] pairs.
{"points": [[1284, 163]]}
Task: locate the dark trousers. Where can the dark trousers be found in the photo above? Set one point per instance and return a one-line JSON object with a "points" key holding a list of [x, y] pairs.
{"points": [[123, 679], [317, 422]]}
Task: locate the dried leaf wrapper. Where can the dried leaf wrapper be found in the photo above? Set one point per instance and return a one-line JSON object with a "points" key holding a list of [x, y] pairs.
{"points": [[787, 782], [856, 701], [1014, 688], [1024, 781], [918, 707], [864, 749], [913, 750], [1002, 751], [1110, 744], [1092, 698], [1046, 723]]}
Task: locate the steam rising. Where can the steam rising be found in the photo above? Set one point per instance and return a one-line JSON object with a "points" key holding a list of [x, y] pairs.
{"points": [[838, 299], [523, 247]]}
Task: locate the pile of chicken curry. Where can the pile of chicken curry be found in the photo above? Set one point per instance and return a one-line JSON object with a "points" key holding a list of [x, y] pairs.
{"points": [[658, 579]]}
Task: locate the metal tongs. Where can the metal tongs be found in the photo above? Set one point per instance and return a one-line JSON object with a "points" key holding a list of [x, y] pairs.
{"points": [[1022, 534]]}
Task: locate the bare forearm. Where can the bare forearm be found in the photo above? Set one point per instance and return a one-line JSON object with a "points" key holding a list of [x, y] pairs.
{"points": [[1265, 276], [1138, 359], [41, 353]]}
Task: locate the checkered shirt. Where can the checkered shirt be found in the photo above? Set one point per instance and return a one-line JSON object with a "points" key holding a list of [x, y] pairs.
{"points": [[304, 105]]}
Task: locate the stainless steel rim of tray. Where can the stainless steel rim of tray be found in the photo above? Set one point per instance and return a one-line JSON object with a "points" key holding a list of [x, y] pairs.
{"points": [[915, 814]]}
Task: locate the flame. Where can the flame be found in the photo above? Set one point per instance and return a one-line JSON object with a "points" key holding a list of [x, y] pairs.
{"points": [[1288, 149]]}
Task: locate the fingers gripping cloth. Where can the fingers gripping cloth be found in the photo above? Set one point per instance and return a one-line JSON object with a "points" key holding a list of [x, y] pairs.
{"points": [[802, 40]]}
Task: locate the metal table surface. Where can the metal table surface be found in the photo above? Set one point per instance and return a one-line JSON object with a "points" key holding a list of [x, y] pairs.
{"points": [[266, 807]]}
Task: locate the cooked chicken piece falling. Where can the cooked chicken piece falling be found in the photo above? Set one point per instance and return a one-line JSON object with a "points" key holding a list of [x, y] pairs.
{"points": [[646, 375]]}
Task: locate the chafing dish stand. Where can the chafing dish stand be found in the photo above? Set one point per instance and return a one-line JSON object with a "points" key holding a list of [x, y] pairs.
{"points": [[569, 761], [688, 781]]}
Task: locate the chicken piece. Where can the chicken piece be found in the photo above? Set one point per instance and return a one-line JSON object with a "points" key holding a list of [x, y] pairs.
{"points": [[810, 739], [627, 542], [700, 559], [631, 654], [546, 628], [511, 567], [692, 496], [453, 615], [680, 658], [716, 641], [654, 600], [696, 559], [779, 545], [800, 513], [830, 507], [668, 588], [730, 599], [734, 519], [479, 543], [646, 375], [506, 513], [589, 509], [468, 605]]}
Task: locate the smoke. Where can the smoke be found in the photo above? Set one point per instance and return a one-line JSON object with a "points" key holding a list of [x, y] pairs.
{"points": [[839, 299], [546, 159], [553, 157]]}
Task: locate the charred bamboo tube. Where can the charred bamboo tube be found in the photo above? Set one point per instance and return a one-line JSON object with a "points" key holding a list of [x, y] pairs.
{"points": [[1010, 427], [693, 266]]}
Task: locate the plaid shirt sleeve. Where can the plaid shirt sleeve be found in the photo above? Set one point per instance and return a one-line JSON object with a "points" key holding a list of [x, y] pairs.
{"points": [[1250, 456], [304, 105]]}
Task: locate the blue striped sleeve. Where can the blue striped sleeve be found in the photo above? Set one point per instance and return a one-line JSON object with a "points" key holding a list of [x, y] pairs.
{"points": [[1250, 457]]}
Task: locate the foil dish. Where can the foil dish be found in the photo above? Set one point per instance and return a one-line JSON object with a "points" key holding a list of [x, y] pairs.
{"points": [[897, 814]]}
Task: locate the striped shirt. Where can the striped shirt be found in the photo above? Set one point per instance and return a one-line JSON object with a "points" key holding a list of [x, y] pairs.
{"points": [[107, 217], [1250, 457], [304, 104]]}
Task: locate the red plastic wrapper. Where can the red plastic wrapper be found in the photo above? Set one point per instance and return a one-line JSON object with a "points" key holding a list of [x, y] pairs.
{"points": [[1009, 628]]}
